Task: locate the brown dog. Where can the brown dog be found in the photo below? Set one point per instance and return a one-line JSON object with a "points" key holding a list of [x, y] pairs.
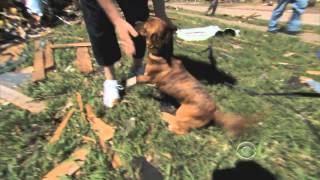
{"points": [[197, 107]]}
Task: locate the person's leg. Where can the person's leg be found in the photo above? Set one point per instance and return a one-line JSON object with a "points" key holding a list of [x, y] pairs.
{"points": [[104, 46], [298, 7], [135, 11], [209, 8], [214, 8], [276, 14]]}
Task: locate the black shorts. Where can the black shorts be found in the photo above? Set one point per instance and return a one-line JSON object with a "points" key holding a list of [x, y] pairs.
{"points": [[102, 33]]}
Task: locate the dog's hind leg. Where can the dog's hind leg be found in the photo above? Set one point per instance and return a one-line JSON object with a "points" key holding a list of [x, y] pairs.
{"points": [[173, 122]]}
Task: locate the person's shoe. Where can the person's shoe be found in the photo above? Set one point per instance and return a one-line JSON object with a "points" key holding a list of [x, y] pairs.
{"points": [[293, 33], [273, 31], [111, 93]]}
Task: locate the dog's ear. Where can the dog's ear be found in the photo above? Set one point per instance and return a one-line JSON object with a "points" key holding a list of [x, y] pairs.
{"points": [[139, 27]]}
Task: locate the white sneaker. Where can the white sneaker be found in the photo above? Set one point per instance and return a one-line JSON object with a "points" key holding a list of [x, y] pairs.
{"points": [[110, 93]]}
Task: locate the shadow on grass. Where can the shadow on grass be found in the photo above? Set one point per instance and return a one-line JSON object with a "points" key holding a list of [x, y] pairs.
{"points": [[248, 170], [205, 71]]}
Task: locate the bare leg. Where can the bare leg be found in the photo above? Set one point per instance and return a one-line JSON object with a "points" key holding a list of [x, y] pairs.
{"points": [[109, 72]]}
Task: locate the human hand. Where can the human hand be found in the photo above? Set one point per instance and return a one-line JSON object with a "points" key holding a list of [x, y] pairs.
{"points": [[124, 30]]}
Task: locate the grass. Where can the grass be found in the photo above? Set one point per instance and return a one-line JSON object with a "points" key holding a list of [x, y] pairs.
{"points": [[259, 22], [286, 146]]}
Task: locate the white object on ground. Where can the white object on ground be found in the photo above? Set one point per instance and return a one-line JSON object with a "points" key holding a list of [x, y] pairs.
{"points": [[202, 33], [110, 93], [314, 85]]}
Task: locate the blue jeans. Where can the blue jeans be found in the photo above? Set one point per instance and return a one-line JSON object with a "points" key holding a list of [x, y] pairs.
{"points": [[298, 7]]}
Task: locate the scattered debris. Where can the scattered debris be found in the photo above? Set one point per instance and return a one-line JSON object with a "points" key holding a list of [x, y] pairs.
{"points": [[27, 70], [313, 72], [11, 53], [104, 131], [69, 166], [203, 33], [289, 54], [14, 79], [39, 69], [62, 125], [146, 170], [21, 100], [315, 85], [131, 81], [70, 45], [83, 60], [116, 161], [3, 102], [88, 139], [235, 46], [48, 55], [80, 103]]}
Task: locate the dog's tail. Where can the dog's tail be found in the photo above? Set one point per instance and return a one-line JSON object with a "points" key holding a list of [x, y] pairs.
{"points": [[234, 124]]}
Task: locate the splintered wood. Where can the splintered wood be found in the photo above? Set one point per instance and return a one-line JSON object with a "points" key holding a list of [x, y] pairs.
{"points": [[11, 53], [48, 54], [314, 73], [83, 60], [81, 44], [69, 166], [38, 64], [80, 103], [104, 131], [21, 100], [61, 127], [116, 161]]}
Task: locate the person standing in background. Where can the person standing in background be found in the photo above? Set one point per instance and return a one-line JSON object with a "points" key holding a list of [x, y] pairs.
{"points": [[212, 8], [293, 26]]}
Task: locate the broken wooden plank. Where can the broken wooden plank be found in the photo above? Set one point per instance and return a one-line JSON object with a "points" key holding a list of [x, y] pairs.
{"points": [[61, 127], [81, 44], [69, 166], [83, 60], [38, 64], [11, 53], [116, 161], [28, 69], [80, 103], [48, 56], [313, 72], [103, 131], [21, 100]]}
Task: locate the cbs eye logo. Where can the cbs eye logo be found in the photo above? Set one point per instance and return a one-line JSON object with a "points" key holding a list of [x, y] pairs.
{"points": [[246, 150]]}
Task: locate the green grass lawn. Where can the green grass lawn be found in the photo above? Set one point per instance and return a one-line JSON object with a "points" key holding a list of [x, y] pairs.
{"points": [[286, 144]]}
